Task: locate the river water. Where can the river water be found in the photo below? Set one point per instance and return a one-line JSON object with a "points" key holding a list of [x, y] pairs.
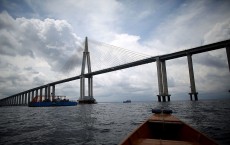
{"points": [[106, 123]]}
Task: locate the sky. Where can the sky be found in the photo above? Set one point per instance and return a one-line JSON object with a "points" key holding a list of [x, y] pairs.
{"points": [[39, 38]]}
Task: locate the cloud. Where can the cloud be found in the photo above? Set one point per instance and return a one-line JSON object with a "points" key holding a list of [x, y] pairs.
{"points": [[35, 47], [186, 28], [52, 40], [97, 19]]}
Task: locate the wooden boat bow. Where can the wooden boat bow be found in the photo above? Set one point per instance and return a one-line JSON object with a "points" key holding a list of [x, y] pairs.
{"points": [[166, 129]]}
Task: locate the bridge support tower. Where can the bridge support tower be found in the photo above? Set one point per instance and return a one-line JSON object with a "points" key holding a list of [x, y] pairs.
{"points": [[162, 81], [192, 80], [83, 98]]}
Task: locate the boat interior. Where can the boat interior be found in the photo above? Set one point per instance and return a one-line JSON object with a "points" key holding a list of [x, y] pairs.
{"points": [[165, 129]]}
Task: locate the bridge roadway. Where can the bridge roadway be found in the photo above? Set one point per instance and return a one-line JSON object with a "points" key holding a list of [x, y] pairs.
{"points": [[200, 49]]}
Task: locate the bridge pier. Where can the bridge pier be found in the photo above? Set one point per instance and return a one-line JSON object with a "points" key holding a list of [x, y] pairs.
{"points": [[228, 56], [25, 98], [192, 80], [19, 99], [32, 96], [53, 92], [36, 93], [40, 97], [22, 99], [162, 81], [9, 101], [82, 87], [28, 97], [46, 92]]}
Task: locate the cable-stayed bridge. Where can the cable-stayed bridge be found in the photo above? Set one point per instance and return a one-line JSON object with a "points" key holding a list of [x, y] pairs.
{"points": [[107, 63]]}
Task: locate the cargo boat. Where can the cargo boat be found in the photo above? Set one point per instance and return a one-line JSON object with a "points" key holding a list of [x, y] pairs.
{"points": [[162, 128], [56, 101]]}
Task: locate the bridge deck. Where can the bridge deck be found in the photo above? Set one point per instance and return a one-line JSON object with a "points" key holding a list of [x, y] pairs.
{"points": [[200, 49]]}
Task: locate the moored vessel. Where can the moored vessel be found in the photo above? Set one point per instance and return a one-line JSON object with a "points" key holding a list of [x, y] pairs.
{"points": [[162, 128], [56, 101]]}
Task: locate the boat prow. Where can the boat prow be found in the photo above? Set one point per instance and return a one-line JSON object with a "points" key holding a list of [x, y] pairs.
{"points": [[162, 128]]}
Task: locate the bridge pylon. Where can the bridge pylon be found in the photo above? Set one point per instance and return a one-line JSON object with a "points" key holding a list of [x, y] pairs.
{"points": [[83, 98], [162, 81], [192, 79]]}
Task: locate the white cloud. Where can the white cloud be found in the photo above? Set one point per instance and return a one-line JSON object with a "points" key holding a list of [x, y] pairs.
{"points": [[40, 45], [95, 19]]}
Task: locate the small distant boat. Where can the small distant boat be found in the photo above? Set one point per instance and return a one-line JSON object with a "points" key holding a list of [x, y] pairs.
{"points": [[127, 101], [56, 101], [162, 128]]}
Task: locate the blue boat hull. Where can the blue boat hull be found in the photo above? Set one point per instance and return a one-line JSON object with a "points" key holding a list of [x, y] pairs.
{"points": [[49, 104]]}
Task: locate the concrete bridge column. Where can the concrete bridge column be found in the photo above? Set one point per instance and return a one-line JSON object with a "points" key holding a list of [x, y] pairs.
{"points": [[9, 102], [19, 99], [165, 82], [15, 100], [9, 99], [6, 102], [46, 93], [228, 56], [53, 92], [32, 96], [36, 93], [91, 86], [12, 101], [29, 97], [162, 81], [25, 99], [22, 103], [40, 98], [25, 95], [82, 87], [192, 80], [159, 78], [22, 99]]}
